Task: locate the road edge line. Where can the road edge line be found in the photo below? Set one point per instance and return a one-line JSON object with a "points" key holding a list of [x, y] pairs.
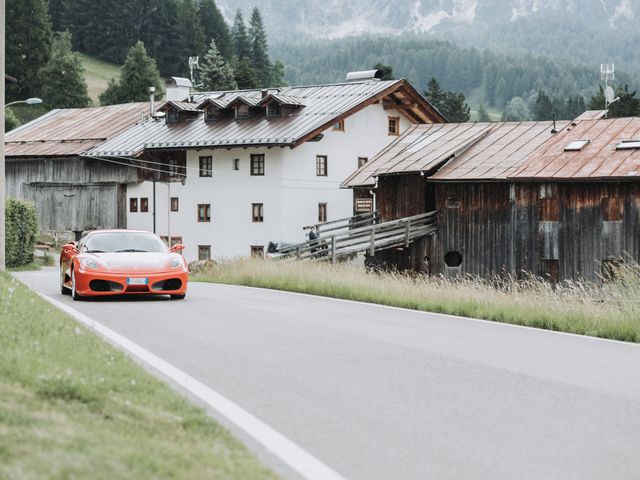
{"points": [[277, 444]]}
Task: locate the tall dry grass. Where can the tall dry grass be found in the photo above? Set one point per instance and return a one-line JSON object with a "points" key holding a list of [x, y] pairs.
{"points": [[610, 310]]}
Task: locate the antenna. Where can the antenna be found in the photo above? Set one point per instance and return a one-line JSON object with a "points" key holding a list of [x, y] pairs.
{"points": [[193, 65], [607, 74]]}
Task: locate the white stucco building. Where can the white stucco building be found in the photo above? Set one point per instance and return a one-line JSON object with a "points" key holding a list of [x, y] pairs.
{"points": [[236, 170]]}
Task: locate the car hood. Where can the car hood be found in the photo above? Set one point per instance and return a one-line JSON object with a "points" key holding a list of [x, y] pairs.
{"points": [[133, 262]]}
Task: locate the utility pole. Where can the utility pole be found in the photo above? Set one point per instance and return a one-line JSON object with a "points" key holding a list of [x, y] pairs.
{"points": [[2, 163]]}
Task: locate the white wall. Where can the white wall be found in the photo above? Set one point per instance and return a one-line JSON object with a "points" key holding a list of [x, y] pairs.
{"points": [[289, 190]]}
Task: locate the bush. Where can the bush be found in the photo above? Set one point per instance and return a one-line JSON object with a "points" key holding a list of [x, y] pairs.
{"points": [[21, 230]]}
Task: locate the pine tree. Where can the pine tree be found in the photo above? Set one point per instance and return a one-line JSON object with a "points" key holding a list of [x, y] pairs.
{"points": [[190, 37], [245, 74], [241, 42], [63, 84], [57, 13], [483, 115], [515, 110], [385, 72], [159, 32], [215, 27], [450, 104], [259, 49], [216, 74], [277, 75], [138, 73], [543, 108], [27, 49]]}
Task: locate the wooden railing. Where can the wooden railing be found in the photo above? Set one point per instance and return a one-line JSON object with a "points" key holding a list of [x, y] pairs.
{"points": [[362, 233]]}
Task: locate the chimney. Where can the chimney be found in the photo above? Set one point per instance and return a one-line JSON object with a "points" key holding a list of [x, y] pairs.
{"points": [[178, 89], [152, 101], [264, 92]]}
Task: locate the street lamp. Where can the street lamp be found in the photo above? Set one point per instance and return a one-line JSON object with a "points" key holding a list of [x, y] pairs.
{"points": [[28, 101]]}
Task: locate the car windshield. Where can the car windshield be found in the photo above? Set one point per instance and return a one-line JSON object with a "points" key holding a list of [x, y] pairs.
{"points": [[124, 242]]}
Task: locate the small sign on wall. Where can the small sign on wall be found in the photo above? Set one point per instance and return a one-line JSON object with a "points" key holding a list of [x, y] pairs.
{"points": [[364, 205]]}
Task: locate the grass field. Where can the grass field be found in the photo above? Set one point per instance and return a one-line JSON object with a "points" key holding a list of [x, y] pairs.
{"points": [[97, 74], [72, 406], [611, 311]]}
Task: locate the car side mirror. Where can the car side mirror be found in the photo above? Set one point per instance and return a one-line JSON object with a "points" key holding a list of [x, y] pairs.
{"points": [[70, 247], [178, 247]]}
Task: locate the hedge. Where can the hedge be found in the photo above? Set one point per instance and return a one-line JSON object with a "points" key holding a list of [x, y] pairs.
{"points": [[21, 230]]}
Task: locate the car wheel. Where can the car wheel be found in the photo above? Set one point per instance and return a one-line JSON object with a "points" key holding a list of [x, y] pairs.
{"points": [[63, 290], [74, 294], [178, 297]]}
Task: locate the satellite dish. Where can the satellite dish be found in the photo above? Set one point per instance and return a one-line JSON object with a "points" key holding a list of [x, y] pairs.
{"points": [[193, 62], [609, 94]]}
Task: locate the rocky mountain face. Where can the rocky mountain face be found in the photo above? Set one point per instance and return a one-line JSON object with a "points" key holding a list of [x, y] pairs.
{"points": [[337, 18]]}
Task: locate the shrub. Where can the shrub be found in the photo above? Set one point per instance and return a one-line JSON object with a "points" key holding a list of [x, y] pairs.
{"points": [[21, 230]]}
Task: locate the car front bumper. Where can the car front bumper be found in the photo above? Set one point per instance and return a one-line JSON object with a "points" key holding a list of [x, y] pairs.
{"points": [[97, 283]]}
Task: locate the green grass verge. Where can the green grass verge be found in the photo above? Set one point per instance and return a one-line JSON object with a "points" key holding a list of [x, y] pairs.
{"points": [[97, 74], [72, 406], [610, 311], [29, 267]]}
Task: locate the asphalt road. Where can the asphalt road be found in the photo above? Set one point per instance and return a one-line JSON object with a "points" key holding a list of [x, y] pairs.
{"points": [[380, 393]]}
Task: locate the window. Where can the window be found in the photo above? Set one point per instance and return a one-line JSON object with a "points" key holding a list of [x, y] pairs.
{"points": [[612, 209], [628, 145], [322, 212], [257, 164], [362, 161], [242, 112], [321, 165], [274, 110], [257, 251], [394, 126], [211, 114], [339, 126], [236, 164], [144, 205], [177, 167], [172, 116], [257, 212], [204, 252], [133, 204], [175, 204], [576, 145], [204, 212], [175, 241], [206, 165]]}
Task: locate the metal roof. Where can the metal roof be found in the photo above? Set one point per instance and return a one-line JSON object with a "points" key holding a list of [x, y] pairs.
{"points": [[593, 115], [597, 159], [64, 132], [324, 104], [458, 151], [182, 106], [282, 99]]}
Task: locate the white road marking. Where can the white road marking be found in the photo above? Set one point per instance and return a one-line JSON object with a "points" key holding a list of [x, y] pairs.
{"points": [[293, 455]]}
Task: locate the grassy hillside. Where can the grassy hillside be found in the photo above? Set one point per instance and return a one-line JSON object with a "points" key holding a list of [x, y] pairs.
{"points": [[97, 73]]}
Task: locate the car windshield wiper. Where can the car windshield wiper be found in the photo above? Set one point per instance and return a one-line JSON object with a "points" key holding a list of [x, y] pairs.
{"points": [[130, 250], [95, 251]]}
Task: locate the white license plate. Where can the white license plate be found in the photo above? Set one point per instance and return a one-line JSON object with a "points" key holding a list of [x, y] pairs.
{"points": [[137, 281]]}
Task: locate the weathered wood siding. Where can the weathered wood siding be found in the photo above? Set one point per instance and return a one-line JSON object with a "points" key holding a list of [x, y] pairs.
{"points": [[557, 230], [400, 196], [72, 194]]}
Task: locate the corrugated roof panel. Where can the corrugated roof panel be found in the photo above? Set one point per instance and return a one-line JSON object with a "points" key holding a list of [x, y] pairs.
{"points": [[72, 131]]}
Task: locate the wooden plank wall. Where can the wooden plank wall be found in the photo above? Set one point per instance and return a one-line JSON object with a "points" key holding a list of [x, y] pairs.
{"points": [[556, 230], [72, 194]]}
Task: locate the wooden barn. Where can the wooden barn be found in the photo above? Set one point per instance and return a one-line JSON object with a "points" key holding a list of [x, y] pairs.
{"points": [[72, 193], [560, 201]]}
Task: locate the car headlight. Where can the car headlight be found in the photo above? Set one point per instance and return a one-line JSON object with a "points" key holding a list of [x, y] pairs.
{"points": [[175, 262], [88, 263]]}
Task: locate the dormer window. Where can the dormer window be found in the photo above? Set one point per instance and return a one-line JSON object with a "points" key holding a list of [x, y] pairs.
{"points": [[629, 144], [172, 115], [274, 110], [242, 112], [212, 114]]}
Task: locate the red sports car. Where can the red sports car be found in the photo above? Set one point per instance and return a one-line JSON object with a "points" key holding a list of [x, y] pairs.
{"points": [[116, 262]]}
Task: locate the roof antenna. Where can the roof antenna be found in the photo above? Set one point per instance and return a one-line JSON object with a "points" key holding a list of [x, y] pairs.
{"points": [[553, 130], [607, 73], [193, 65]]}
